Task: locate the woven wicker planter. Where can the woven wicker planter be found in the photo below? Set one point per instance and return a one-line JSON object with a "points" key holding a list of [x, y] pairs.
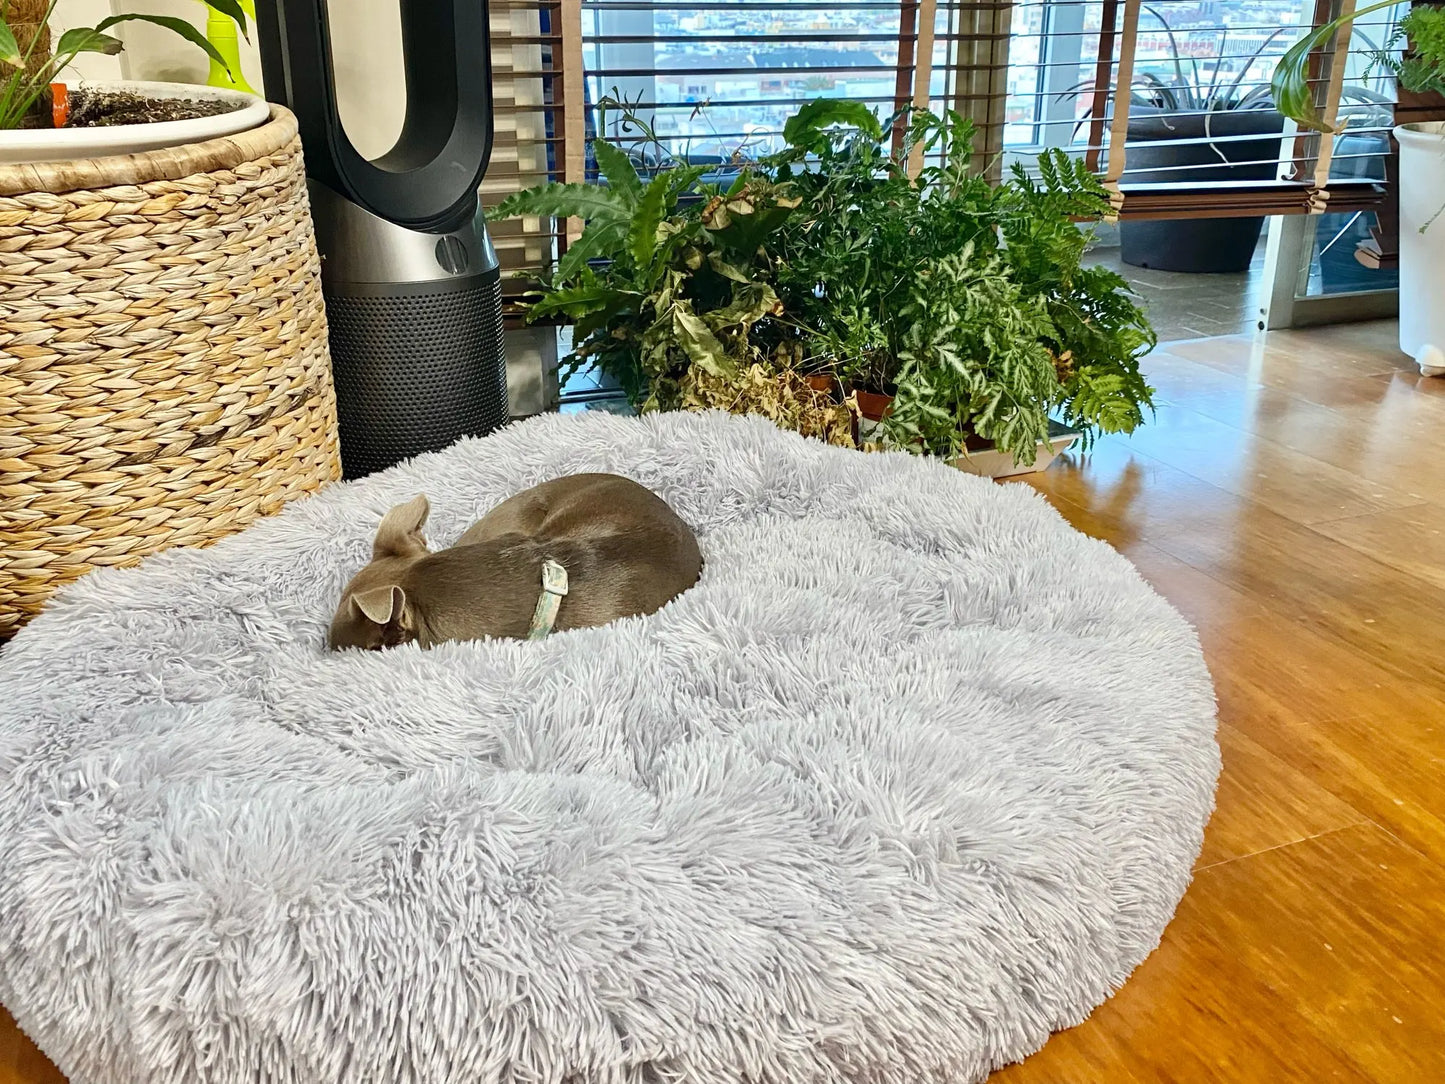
{"points": [[164, 376]]}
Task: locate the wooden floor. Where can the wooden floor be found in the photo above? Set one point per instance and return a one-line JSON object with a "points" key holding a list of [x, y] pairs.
{"points": [[1290, 500]]}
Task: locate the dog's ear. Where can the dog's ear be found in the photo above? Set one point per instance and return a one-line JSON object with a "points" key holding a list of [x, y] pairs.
{"points": [[381, 604], [400, 532]]}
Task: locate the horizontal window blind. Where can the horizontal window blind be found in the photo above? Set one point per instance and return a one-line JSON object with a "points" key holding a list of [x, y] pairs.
{"points": [[717, 80], [529, 83], [1168, 100]]}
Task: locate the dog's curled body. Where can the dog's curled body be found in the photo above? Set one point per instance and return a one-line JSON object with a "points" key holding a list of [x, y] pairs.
{"points": [[625, 552]]}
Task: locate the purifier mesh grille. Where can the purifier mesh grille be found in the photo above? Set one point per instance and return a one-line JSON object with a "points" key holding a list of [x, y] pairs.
{"points": [[416, 370]]}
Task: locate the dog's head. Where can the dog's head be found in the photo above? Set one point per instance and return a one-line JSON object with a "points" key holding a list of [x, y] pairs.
{"points": [[374, 611]]}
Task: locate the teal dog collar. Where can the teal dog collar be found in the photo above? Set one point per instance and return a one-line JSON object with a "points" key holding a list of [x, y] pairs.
{"points": [[554, 587]]}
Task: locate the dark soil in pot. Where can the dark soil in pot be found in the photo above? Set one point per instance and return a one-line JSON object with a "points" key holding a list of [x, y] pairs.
{"points": [[1197, 245], [108, 108], [103, 109]]}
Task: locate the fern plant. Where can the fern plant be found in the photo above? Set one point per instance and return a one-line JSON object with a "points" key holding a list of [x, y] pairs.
{"points": [[966, 301]]}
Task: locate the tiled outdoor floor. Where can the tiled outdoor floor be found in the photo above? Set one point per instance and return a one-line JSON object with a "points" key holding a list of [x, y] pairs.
{"points": [[1184, 306]]}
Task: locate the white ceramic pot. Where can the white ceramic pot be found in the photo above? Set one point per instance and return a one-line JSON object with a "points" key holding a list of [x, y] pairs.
{"points": [[1422, 254], [59, 144]]}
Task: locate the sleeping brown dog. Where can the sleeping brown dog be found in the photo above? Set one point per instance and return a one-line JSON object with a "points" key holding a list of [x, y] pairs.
{"points": [[622, 549]]}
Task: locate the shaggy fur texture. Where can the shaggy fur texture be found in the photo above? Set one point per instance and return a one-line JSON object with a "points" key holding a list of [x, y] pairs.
{"points": [[915, 775]]}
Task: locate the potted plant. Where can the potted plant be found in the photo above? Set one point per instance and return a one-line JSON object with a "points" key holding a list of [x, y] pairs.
{"points": [[963, 304], [1187, 125], [164, 375], [1422, 167], [43, 119]]}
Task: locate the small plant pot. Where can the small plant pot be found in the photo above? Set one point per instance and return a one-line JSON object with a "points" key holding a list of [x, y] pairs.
{"points": [[983, 459], [828, 385], [245, 112], [873, 406]]}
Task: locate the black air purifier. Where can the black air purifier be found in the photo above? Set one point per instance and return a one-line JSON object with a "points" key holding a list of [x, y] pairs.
{"points": [[413, 291]]}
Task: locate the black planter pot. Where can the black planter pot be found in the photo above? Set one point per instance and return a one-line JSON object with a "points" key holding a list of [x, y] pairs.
{"points": [[1207, 244]]}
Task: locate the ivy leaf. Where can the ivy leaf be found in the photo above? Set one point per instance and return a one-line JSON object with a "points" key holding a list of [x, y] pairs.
{"points": [[617, 167], [749, 305], [725, 269], [699, 343]]}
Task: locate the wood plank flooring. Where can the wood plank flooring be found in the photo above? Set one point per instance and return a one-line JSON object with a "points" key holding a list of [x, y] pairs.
{"points": [[1290, 500]]}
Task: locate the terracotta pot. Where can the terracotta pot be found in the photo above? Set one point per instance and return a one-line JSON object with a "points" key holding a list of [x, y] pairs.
{"points": [[873, 406], [825, 383]]}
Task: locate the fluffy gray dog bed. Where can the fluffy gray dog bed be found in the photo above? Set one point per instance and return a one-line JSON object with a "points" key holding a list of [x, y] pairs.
{"points": [[914, 776]]}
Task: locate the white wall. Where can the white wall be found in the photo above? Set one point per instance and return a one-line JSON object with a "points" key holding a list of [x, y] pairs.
{"points": [[70, 13], [366, 47]]}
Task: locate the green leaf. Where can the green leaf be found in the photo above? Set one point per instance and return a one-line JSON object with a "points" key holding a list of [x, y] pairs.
{"points": [[588, 296], [617, 167], [642, 236], [586, 201], [1289, 85], [680, 180], [181, 27], [805, 127], [725, 269], [600, 240], [85, 39], [749, 305], [699, 343], [9, 48]]}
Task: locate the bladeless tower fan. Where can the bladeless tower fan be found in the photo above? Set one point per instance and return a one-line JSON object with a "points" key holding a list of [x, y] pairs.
{"points": [[412, 287]]}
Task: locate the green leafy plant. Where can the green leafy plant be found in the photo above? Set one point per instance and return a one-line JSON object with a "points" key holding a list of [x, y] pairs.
{"points": [[673, 286], [1422, 70], [967, 302], [27, 83]]}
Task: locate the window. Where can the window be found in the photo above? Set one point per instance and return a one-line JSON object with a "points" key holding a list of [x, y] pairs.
{"points": [[720, 77]]}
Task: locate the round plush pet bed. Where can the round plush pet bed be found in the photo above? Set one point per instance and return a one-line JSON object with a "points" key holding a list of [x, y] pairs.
{"points": [[913, 776]]}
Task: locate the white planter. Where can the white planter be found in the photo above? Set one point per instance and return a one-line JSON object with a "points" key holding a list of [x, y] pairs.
{"points": [[1422, 255], [991, 463], [61, 144]]}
